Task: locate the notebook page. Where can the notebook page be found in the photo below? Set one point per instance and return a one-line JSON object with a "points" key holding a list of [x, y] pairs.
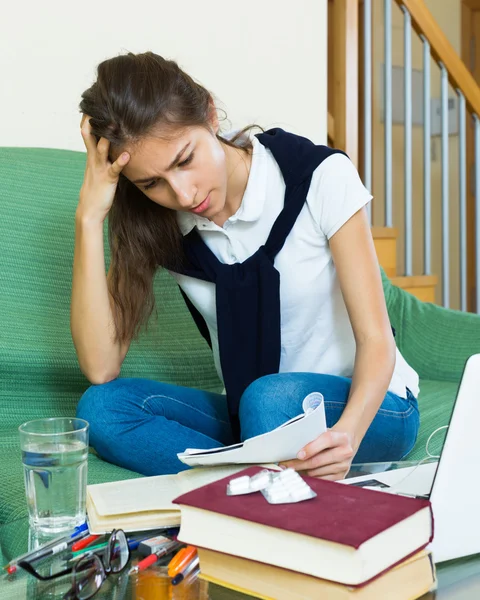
{"points": [[135, 495], [153, 493], [278, 445], [191, 479]]}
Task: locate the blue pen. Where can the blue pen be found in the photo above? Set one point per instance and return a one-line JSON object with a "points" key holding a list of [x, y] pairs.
{"points": [[145, 535], [134, 544], [79, 529]]}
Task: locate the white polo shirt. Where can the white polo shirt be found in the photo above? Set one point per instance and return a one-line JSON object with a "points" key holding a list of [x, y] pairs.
{"points": [[316, 333]]}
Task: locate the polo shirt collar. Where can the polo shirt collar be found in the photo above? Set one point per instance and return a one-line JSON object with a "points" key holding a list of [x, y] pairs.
{"points": [[252, 202]]}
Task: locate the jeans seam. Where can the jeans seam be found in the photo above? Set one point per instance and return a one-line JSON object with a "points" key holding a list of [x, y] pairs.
{"points": [[183, 404], [397, 415], [333, 403]]}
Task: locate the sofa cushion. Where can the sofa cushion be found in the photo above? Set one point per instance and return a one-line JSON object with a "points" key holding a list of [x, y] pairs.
{"points": [[39, 374], [435, 341]]}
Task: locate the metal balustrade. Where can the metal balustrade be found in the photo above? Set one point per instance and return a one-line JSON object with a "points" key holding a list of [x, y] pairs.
{"points": [[388, 153]]}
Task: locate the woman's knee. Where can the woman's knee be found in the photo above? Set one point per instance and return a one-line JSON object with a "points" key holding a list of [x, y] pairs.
{"points": [[118, 403], [100, 403], [268, 402], [94, 404], [282, 391], [262, 395]]}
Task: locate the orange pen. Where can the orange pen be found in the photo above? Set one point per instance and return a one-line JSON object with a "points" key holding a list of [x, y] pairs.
{"points": [[181, 560]]}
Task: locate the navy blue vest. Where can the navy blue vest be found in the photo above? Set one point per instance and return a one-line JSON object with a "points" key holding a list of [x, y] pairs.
{"points": [[248, 293]]}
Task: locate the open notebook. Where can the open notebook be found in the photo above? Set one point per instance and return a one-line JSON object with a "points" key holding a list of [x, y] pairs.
{"points": [[282, 443], [146, 503]]}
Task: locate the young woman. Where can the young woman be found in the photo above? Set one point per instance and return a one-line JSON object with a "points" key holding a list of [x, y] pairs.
{"points": [[268, 239]]}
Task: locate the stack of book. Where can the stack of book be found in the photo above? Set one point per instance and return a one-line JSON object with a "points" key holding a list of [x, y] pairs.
{"points": [[345, 543]]}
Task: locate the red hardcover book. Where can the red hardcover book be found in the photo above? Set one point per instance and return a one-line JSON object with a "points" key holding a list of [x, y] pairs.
{"points": [[345, 534]]}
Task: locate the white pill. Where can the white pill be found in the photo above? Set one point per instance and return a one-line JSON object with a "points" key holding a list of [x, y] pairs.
{"points": [[260, 481], [277, 496], [287, 475], [239, 485], [300, 494]]}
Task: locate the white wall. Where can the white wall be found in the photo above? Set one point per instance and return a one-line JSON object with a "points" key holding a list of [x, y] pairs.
{"points": [[265, 60]]}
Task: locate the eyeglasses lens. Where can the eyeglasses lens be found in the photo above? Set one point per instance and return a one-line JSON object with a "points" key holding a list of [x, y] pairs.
{"points": [[89, 576], [118, 554]]}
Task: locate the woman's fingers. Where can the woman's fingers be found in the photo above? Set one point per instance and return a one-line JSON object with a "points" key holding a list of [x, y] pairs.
{"points": [[117, 166], [101, 175], [329, 439], [323, 450], [334, 471], [87, 136], [101, 149], [96, 150], [331, 456]]}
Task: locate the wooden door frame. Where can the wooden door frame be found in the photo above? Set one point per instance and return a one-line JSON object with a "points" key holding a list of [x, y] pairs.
{"points": [[467, 25], [472, 5], [343, 74]]}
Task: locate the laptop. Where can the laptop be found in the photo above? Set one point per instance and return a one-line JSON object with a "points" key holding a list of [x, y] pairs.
{"points": [[451, 483]]}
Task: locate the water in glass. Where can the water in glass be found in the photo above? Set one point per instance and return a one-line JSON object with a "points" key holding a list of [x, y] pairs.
{"points": [[55, 484]]}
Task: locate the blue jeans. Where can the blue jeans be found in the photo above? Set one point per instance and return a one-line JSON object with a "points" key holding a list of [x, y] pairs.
{"points": [[141, 424]]}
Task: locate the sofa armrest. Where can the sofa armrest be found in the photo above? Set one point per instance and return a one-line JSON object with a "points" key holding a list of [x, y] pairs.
{"points": [[435, 341]]}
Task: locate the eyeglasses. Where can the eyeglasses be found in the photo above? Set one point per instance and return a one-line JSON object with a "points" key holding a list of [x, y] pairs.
{"points": [[89, 573]]}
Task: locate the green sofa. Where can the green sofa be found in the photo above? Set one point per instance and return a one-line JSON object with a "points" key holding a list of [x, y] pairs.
{"points": [[39, 374]]}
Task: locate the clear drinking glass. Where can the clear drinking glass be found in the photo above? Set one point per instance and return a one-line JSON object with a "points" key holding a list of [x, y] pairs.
{"points": [[54, 456]]}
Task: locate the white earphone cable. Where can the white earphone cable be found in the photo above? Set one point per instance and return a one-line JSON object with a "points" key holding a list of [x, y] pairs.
{"points": [[395, 487]]}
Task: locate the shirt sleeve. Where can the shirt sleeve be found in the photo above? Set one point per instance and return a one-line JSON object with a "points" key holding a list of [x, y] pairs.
{"points": [[336, 193]]}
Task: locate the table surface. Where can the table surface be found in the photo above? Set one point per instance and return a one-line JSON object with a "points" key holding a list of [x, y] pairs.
{"points": [[457, 580]]}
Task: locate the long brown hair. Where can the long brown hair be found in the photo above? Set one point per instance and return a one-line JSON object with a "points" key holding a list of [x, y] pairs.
{"points": [[135, 95]]}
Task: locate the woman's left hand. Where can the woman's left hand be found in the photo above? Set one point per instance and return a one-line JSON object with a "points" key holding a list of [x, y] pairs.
{"points": [[329, 456]]}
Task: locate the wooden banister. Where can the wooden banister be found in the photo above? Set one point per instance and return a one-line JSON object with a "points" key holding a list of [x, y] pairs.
{"points": [[331, 128], [442, 51], [343, 76]]}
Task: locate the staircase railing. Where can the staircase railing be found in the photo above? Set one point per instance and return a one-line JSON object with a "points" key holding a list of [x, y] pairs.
{"points": [[343, 76], [465, 279]]}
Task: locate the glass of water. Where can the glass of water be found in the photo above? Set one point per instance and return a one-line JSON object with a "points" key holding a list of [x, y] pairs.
{"points": [[54, 456]]}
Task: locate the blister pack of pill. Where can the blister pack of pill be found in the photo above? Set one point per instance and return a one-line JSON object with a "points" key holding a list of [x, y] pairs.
{"points": [[277, 488], [287, 487], [248, 485]]}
